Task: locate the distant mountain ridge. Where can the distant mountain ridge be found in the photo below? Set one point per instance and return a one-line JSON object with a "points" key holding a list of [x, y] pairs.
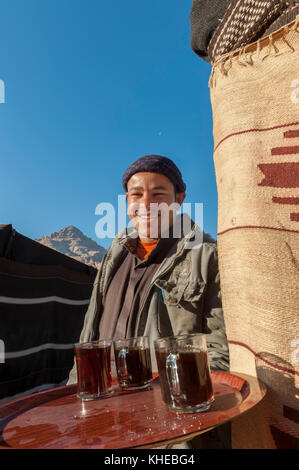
{"points": [[72, 242]]}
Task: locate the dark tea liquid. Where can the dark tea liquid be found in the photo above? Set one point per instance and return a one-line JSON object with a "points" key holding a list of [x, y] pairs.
{"points": [[94, 369], [194, 377], [134, 369]]}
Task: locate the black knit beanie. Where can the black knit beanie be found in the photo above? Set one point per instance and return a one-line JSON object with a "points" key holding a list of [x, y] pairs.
{"points": [[156, 164]]}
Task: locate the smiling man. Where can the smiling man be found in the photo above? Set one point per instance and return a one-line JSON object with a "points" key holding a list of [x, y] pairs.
{"points": [[153, 199], [150, 281], [149, 195]]}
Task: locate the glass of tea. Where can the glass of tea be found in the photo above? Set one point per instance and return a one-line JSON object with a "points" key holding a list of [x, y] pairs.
{"points": [[133, 362], [184, 372], [93, 361]]}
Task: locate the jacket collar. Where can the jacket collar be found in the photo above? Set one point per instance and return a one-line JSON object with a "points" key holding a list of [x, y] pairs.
{"points": [[127, 238]]}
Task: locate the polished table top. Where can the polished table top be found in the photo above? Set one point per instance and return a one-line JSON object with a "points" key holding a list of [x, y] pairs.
{"points": [[56, 419]]}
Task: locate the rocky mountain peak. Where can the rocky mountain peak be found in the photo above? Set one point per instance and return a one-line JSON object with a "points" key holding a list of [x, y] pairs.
{"points": [[72, 242]]}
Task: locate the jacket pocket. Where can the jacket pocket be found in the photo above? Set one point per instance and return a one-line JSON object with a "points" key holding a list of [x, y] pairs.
{"points": [[194, 291], [180, 292]]}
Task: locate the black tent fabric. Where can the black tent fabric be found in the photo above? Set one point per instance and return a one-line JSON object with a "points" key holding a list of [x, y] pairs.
{"points": [[44, 296]]}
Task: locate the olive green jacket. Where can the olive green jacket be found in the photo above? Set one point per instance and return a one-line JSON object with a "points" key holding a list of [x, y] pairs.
{"points": [[183, 297]]}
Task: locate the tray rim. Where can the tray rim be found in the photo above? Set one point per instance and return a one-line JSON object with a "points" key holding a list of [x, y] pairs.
{"points": [[238, 381]]}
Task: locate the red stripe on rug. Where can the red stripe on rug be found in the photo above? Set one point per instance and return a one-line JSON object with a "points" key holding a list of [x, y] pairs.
{"points": [[257, 226], [280, 175], [294, 217], [254, 130], [291, 413], [284, 440], [274, 366], [285, 150], [291, 134], [285, 200]]}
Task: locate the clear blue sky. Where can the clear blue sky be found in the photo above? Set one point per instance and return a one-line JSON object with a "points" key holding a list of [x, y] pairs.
{"points": [[90, 86]]}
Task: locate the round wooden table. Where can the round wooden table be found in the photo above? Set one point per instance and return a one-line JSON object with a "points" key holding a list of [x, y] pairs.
{"points": [[56, 419]]}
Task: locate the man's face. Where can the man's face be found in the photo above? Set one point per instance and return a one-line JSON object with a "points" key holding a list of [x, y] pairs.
{"points": [[150, 196]]}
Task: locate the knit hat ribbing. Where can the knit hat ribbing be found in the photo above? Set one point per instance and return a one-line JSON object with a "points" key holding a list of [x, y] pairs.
{"points": [[156, 164]]}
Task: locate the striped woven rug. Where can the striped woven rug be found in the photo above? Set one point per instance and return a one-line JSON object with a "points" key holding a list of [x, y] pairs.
{"points": [[255, 101]]}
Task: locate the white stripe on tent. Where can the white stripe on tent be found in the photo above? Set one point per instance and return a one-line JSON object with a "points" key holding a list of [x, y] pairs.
{"points": [[38, 388], [26, 352], [42, 300]]}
